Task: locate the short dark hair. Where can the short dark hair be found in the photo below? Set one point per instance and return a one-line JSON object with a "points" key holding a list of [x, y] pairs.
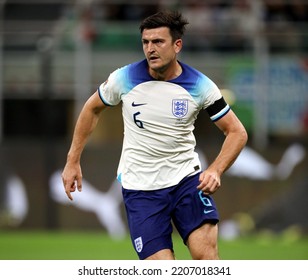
{"points": [[173, 20]]}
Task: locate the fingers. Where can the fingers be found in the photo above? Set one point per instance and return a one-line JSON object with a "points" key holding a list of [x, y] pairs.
{"points": [[209, 183], [69, 188], [71, 185], [68, 193], [79, 185]]}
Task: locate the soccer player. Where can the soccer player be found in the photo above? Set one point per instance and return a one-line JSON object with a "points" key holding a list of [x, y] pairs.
{"points": [[159, 169]]}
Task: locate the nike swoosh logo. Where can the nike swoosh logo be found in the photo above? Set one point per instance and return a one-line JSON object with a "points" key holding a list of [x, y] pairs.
{"points": [[137, 104], [208, 211]]}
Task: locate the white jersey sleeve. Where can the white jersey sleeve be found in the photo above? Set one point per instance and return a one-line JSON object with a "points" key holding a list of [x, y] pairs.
{"points": [[110, 91]]}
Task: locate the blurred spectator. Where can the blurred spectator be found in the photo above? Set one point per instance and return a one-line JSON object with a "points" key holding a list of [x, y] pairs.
{"points": [[130, 11], [281, 32], [299, 15], [245, 16], [201, 28], [221, 26], [298, 10]]}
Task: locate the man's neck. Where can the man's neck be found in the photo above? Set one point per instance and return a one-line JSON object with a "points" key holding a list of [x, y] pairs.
{"points": [[170, 73]]}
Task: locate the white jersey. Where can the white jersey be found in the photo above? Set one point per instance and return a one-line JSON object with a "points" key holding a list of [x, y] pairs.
{"points": [[158, 146]]}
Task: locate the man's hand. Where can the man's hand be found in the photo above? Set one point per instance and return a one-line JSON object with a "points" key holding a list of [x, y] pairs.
{"points": [[209, 182], [72, 179]]}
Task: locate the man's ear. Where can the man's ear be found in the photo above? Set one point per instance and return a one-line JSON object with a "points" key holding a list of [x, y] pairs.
{"points": [[178, 45]]}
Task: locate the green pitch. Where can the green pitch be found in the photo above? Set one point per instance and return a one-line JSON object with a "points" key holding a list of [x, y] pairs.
{"points": [[57, 245]]}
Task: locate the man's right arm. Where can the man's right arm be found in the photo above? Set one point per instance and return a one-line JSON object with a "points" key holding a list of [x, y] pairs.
{"points": [[87, 121]]}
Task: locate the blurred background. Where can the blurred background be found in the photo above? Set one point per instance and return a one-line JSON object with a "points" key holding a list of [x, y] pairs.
{"points": [[53, 56]]}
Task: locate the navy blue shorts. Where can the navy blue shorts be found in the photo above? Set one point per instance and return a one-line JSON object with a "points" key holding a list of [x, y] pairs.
{"points": [[150, 214]]}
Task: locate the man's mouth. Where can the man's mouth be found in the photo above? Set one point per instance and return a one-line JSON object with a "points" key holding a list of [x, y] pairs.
{"points": [[153, 58]]}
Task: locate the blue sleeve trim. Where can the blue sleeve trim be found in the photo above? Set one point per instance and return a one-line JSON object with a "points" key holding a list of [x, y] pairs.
{"points": [[119, 178], [218, 109], [220, 114]]}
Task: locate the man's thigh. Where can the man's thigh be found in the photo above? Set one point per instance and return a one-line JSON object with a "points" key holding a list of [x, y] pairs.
{"points": [[149, 221], [202, 242]]}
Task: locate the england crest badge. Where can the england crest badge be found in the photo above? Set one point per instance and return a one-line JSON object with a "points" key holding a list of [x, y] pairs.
{"points": [[179, 107], [138, 244]]}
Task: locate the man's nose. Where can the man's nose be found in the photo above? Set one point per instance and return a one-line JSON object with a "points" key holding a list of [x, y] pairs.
{"points": [[150, 47]]}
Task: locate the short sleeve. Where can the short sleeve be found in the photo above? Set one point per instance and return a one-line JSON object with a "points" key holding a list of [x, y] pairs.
{"points": [[110, 90]]}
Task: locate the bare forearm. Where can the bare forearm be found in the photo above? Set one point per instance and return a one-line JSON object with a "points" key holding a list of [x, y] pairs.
{"points": [[85, 125], [231, 148], [83, 130], [235, 140]]}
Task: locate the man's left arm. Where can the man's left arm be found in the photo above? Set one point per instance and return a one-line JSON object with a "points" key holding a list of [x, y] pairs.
{"points": [[235, 139]]}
